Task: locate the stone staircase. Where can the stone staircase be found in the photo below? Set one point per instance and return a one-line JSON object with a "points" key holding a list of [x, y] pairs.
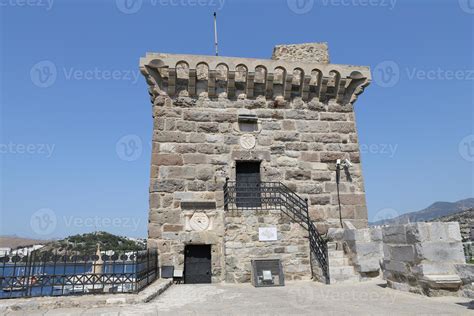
{"points": [[340, 269]]}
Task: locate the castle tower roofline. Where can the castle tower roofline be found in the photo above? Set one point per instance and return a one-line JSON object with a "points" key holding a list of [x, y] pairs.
{"points": [[194, 76]]}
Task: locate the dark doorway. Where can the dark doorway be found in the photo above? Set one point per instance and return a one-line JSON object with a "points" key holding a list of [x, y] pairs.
{"points": [[248, 184], [197, 264]]}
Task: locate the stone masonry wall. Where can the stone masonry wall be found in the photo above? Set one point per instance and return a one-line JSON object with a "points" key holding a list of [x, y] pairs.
{"points": [[422, 257], [292, 246], [196, 144]]}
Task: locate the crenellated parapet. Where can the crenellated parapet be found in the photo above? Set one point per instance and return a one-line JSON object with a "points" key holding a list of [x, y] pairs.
{"points": [[245, 78]]}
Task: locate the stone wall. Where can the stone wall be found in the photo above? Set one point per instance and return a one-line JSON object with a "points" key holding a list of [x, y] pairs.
{"points": [[421, 257], [196, 144], [315, 52], [242, 230]]}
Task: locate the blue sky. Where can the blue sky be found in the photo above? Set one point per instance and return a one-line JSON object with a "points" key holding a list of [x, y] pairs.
{"points": [[71, 95]]}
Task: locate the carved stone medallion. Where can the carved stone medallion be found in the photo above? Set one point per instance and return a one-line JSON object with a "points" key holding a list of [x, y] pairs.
{"points": [[199, 222], [247, 141]]}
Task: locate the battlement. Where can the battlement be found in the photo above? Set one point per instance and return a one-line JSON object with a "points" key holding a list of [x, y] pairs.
{"points": [[246, 78]]}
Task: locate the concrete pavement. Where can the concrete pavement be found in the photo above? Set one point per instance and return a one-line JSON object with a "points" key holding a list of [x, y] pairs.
{"points": [[296, 298]]}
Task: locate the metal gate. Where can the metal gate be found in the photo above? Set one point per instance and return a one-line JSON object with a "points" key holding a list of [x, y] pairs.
{"points": [[248, 181], [197, 264]]}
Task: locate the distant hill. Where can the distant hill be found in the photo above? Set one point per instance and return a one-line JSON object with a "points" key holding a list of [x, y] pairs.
{"points": [[87, 244], [435, 210], [465, 220]]}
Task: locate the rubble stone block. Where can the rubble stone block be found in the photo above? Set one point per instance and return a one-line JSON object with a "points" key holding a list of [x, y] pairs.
{"points": [[440, 251], [429, 267], [352, 199], [465, 272], [172, 228], [331, 157], [405, 253], [394, 234], [170, 186], [336, 234], [167, 159], [395, 266], [359, 235]]}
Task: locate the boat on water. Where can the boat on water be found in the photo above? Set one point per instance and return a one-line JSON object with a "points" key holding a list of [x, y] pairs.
{"points": [[19, 284]]}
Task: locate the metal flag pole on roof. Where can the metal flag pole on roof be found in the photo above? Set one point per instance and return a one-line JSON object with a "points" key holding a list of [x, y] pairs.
{"points": [[215, 33]]}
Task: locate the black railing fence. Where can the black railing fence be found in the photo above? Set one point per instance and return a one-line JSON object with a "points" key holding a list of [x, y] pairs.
{"points": [[258, 195], [46, 274]]}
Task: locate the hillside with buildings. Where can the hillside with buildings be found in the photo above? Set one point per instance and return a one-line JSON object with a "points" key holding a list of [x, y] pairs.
{"points": [[87, 243], [82, 243]]}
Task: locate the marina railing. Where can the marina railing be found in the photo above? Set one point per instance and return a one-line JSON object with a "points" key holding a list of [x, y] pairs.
{"points": [[47, 274]]}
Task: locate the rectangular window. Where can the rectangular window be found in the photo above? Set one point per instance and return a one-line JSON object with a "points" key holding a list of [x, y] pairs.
{"points": [[248, 123]]}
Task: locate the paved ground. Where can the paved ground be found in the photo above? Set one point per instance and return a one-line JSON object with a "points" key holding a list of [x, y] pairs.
{"points": [[296, 298]]}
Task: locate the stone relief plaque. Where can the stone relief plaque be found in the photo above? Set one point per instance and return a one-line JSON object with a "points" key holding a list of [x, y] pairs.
{"points": [[247, 141], [267, 234], [199, 222]]}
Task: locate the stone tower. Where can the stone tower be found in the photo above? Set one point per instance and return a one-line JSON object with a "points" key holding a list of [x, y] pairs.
{"points": [[280, 122]]}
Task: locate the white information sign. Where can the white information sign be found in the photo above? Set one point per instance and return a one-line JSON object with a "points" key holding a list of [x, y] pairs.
{"points": [[267, 233]]}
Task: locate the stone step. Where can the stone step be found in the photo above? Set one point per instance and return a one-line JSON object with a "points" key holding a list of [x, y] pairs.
{"points": [[332, 246], [342, 270], [336, 254], [345, 279], [337, 262]]}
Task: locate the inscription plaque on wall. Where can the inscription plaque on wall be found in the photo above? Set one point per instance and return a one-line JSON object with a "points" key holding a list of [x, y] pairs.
{"points": [[267, 233]]}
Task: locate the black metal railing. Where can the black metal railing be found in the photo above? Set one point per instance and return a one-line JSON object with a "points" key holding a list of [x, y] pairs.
{"points": [[46, 274], [275, 195]]}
